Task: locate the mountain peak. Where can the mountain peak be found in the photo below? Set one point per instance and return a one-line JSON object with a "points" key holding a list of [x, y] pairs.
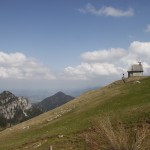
{"points": [[59, 93], [6, 93], [54, 101]]}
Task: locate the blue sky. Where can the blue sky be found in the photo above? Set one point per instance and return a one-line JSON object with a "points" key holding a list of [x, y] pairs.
{"points": [[71, 43]]}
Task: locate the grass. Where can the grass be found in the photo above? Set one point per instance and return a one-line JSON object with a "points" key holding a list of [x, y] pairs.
{"points": [[105, 136], [129, 102]]}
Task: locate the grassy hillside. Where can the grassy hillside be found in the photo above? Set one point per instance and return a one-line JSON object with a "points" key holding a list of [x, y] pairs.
{"points": [[129, 103]]}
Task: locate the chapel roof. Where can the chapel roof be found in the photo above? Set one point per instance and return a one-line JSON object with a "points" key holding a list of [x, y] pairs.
{"points": [[136, 68]]}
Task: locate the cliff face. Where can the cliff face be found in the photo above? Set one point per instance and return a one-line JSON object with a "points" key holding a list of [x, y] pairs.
{"points": [[12, 108]]}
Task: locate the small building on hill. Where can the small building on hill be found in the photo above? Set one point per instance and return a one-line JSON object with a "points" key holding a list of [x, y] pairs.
{"points": [[135, 70]]}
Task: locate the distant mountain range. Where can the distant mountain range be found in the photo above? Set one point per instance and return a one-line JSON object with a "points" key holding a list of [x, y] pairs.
{"points": [[15, 109], [38, 95]]}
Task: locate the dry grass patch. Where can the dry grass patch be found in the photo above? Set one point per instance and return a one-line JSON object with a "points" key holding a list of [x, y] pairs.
{"points": [[105, 136]]}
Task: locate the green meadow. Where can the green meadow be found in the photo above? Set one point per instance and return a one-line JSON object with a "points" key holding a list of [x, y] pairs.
{"points": [[65, 127]]}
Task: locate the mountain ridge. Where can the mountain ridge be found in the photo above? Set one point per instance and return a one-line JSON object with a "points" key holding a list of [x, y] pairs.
{"points": [[15, 109]]}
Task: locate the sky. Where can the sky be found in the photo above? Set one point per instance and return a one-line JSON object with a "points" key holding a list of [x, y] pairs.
{"points": [[71, 44]]}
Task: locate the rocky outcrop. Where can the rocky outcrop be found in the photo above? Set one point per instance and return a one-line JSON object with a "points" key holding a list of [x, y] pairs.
{"points": [[12, 108]]}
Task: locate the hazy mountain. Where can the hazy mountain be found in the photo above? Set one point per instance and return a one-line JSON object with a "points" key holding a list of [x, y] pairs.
{"points": [[38, 95], [54, 101]]}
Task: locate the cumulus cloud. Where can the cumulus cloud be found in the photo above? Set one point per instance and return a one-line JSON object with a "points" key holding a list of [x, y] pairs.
{"points": [[110, 62], [138, 51], [107, 11], [19, 66], [109, 55], [85, 70]]}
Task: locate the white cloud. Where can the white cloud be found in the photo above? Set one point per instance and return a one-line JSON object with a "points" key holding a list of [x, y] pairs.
{"points": [[107, 11], [86, 71], [148, 28], [141, 48], [109, 55], [138, 51], [18, 66], [110, 62]]}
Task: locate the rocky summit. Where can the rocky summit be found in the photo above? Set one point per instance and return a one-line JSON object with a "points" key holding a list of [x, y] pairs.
{"points": [[12, 108]]}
